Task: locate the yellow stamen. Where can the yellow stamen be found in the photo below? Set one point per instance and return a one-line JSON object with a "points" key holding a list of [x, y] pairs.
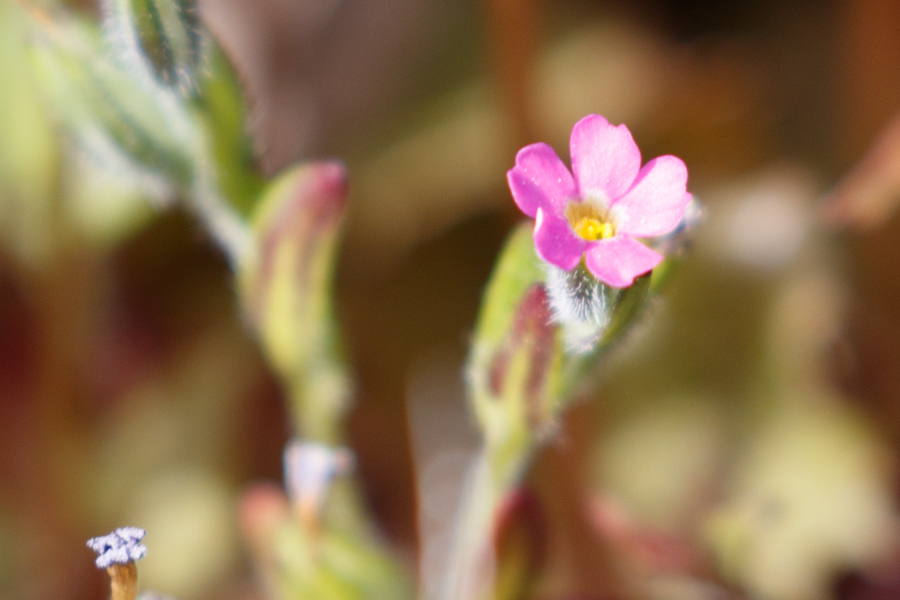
{"points": [[593, 229]]}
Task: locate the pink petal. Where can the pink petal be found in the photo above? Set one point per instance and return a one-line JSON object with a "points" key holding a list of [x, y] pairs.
{"points": [[656, 203], [618, 260], [605, 158], [555, 242], [540, 180]]}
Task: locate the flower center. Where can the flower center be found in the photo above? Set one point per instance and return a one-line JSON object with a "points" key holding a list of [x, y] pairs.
{"points": [[593, 229], [590, 220]]}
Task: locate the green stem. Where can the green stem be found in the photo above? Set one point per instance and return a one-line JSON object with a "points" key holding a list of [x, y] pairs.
{"points": [[222, 222], [493, 475]]}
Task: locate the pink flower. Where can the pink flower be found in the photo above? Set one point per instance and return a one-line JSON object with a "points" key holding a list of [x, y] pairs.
{"points": [[610, 201]]}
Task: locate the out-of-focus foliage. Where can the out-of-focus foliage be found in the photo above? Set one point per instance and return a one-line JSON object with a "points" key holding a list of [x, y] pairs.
{"points": [[28, 158]]}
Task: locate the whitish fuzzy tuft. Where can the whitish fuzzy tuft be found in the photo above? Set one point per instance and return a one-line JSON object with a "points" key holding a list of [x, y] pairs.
{"points": [[580, 304]]}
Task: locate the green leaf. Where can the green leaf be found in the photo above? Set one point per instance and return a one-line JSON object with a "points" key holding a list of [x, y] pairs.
{"points": [[222, 110], [517, 269], [112, 115], [160, 38]]}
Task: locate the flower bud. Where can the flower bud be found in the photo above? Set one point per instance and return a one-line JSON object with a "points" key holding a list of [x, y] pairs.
{"points": [[516, 355], [285, 285], [676, 244], [309, 470]]}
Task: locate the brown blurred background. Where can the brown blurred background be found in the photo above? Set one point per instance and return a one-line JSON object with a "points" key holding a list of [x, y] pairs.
{"points": [[131, 394]]}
